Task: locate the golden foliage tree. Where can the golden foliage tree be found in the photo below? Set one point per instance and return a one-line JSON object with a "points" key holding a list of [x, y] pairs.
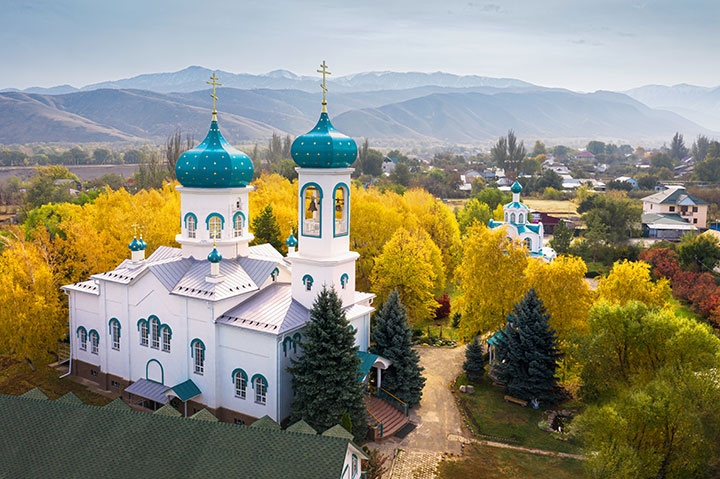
{"points": [[31, 315], [411, 263], [491, 278], [280, 193], [563, 290], [631, 281]]}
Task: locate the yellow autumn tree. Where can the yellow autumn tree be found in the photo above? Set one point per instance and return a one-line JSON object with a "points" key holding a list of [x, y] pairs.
{"points": [[280, 193], [499, 213], [374, 218], [491, 278], [31, 314], [631, 281], [438, 221], [411, 263], [561, 286]]}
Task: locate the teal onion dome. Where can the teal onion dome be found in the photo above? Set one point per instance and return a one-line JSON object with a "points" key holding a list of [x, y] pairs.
{"points": [[214, 256], [323, 147], [516, 187], [137, 245], [291, 241], [214, 163]]}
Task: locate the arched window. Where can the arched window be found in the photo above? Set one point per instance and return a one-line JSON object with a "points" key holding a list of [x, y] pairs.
{"points": [[312, 210], [340, 198], [344, 280], [197, 349], [308, 282], [240, 380], [155, 333], [260, 385], [166, 336], [506, 217], [528, 244], [82, 334], [238, 221], [520, 218], [115, 333], [94, 341], [143, 327], [512, 218], [191, 225], [215, 227], [354, 466], [275, 274]]}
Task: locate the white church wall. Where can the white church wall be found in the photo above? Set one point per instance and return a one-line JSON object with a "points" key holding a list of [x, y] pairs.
{"points": [[361, 325], [254, 353], [286, 354], [83, 312]]}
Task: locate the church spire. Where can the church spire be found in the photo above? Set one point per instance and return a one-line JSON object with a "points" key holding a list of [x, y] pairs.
{"points": [[214, 83], [323, 85]]}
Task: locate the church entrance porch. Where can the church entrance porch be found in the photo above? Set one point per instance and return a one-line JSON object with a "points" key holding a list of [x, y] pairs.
{"points": [[387, 416]]}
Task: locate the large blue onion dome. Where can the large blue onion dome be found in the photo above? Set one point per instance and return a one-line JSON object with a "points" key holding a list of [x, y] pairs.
{"points": [[214, 256], [516, 187], [291, 241], [324, 147], [214, 163], [137, 245]]}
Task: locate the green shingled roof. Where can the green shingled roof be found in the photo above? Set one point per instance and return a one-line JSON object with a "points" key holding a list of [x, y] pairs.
{"points": [[338, 431], [35, 393], [204, 415], [60, 439], [119, 404], [265, 422], [71, 398], [302, 427], [168, 410]]}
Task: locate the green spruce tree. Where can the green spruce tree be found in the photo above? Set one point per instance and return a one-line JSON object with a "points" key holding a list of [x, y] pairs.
{"points": [[325, 378], [528, 358], [474, 364], [266, 230], [392, 338]]}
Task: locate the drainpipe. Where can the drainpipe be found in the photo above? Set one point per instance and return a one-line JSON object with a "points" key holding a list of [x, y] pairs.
{"points": [[69, 335]]}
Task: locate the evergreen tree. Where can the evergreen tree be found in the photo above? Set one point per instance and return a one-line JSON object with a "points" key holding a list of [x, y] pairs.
{"points": [[266, 229], [325, 379], [474, 364], [393, 340], [562, 238], [528, 358]]}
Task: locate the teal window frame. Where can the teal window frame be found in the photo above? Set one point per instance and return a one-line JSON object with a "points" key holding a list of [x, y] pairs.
{"points": [[144, 334], [94, 345], [154, 338], [287, 341], [354, 468], [260, 396], [114, 322], [163, 343], [302, 209], [307, 279], [162, 370], [274, 275], [512, 217], [347, 209], [222, 224], [297, 338], [243, 390], [344, 280], [198, 363], [242, 227], [83, 339], [191, 233]]}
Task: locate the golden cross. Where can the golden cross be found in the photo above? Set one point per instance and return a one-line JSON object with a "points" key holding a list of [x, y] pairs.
{"points": [[214, 84], [324, 72], [135, 227]]}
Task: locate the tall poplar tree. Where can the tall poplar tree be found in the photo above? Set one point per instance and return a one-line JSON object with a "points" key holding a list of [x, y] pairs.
{"points": [[325, 378], [392, 340], [527, 360]]}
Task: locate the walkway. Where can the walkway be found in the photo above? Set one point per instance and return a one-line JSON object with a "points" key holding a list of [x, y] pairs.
{"points": [[438, 420]]}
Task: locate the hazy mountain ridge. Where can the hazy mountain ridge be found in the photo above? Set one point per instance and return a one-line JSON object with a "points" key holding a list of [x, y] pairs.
{"points": [[697, 103], [448, 115]]}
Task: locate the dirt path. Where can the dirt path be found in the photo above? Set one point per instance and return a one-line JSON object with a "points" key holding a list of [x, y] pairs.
{"points": [[531, 450]]}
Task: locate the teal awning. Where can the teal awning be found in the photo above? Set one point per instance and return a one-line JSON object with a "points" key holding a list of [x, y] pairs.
{"points": [[367, 360], [499, 336], [185, 390]]}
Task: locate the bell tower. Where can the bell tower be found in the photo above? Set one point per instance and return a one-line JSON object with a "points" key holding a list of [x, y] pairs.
{"points": [[323, 256]]}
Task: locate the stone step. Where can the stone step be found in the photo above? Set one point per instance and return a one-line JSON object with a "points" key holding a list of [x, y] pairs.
{"points": [[391, 418]]}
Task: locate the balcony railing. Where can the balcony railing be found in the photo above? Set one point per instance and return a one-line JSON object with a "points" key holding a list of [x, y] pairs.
{"points": [[311, 227], [340, 227]]}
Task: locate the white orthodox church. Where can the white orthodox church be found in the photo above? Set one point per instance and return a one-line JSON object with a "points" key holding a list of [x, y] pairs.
{"points": [[216, 322], [518, 226]]}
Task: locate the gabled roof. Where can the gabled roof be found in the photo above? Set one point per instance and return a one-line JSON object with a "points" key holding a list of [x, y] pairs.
{"points": [[266, 422], [338, 431], [84, 287], [666, 221], [184, 391], [35, 393], [674, 196], [301, 427], [113, 443], [204, 415], [119, 404], [70, 398]]}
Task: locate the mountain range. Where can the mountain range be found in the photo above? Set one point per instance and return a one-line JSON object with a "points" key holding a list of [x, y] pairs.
{"points": [[697, 103], [432, 108]]}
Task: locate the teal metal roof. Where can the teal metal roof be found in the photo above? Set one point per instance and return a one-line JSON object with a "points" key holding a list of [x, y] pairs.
{"points": [[494, 224], [517, 204], [323, 147], [185, 390], [214, 256], [499, 336], [214, 163], [110, 443], [516, 187], [366, 362]]}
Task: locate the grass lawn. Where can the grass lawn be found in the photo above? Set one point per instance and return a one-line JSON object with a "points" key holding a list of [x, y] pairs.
{"points": [[495, 417], [493, 463], [552, 206], [682, 311], [16, 377], [442, 328]]}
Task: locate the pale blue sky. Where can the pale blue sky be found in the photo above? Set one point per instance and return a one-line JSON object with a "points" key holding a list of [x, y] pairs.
{"points": [[577, 44]]}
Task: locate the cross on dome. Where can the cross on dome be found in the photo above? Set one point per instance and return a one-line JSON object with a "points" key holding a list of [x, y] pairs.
{"points": [[214, 97], [323, 85]]}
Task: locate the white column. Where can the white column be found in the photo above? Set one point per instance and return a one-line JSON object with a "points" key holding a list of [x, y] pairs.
{"points": [[379, 379]]}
